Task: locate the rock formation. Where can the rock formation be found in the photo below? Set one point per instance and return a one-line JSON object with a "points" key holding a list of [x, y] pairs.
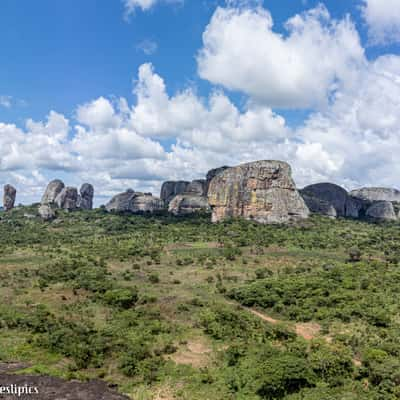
{"points": [[188, 203], [382, 210], [53, 189], [85, 200], [376, 194], [262, 191], [197, 187], [46, 212], [9, 196], [212, 173], [329, 193], [67, 199], [146, 203], [318, 206], [170, 189], [134, 202]]}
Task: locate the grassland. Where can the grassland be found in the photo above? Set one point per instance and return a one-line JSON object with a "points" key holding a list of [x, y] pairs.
{"points": [[180, 308]]}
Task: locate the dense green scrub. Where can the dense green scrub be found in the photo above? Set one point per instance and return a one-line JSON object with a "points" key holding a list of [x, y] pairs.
{"points": [[151, 303]]}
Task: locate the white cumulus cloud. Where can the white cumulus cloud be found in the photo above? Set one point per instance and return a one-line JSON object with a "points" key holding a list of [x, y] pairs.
{"points": [[241, 51], [383, 19]]}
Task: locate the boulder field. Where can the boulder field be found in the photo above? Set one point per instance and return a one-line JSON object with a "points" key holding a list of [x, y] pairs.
{"points": [[263, 191]]}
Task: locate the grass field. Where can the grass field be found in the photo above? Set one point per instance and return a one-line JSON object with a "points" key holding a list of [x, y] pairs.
{"points": [[180, 308]]}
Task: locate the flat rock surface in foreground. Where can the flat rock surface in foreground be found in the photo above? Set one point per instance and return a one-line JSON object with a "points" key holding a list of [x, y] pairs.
{"points": [[50, 388]]}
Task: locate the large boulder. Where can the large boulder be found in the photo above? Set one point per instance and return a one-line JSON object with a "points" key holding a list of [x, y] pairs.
{"points": [[197, 187], [146, 203], [135, 202], [376, 194], [9, 196], [329, 193], [53, 189], [188, 203], [67, 199], [46, 212], [318, 206], [382, 210], [85, 200], [263, 191], [170, 189], [212, 173], [121, 201]]}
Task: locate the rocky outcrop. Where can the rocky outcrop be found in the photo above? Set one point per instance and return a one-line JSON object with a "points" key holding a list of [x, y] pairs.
{"points": [[170, 189], [46, 212], [263, 191], [9, 196], [212, 173], [318, 206], [85, 199], [67, 199], [197, 187], [330, 193], [382, 210], [376, 194], [146, 203], [53, 189], [135, 202], [122, 201], [188, 203]]}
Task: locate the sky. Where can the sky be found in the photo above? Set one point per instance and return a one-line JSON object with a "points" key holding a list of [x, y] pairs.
{"points": [[130, 93]]}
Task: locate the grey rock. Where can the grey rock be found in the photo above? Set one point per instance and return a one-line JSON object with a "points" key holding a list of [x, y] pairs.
{"points": [[212, 173], [356, 208], [135, 202], [9, 196], [67, 199], [376, 194], [263, 191], [188, 203], [382, 210], [53, 189], [121, 201], [197, 187], [146, 203], [170, 189], [85, 200], [330, 193], [46, 212], [318, 206]]}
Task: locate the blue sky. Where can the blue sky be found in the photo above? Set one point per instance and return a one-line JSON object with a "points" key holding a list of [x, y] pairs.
{"points": [[65, 56]]}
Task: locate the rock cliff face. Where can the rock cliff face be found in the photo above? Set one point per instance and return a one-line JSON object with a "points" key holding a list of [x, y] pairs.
{"points": [[212, 173], [197, 186], [382, 210], [53, 189], [10, 193], [170, 189], [331, 194], [46, 212], [376, 194], [67, 199], [262, 191], [187, 203], [85, 200], [135, 202], [319, 206]]}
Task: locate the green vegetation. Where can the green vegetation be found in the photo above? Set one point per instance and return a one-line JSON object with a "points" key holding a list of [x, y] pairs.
{"points": [[181, 308]]}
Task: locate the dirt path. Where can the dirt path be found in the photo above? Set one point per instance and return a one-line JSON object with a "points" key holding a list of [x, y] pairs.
{"points": [[307, 330]]}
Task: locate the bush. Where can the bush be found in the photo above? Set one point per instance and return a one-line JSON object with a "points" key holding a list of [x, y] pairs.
{"points": [[123, 298]]}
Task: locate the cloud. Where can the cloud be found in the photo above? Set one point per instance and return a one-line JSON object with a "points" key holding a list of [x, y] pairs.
{"points": [[145, 5], [383, 20], [5, 101], [148, 46], [242, 52]]}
